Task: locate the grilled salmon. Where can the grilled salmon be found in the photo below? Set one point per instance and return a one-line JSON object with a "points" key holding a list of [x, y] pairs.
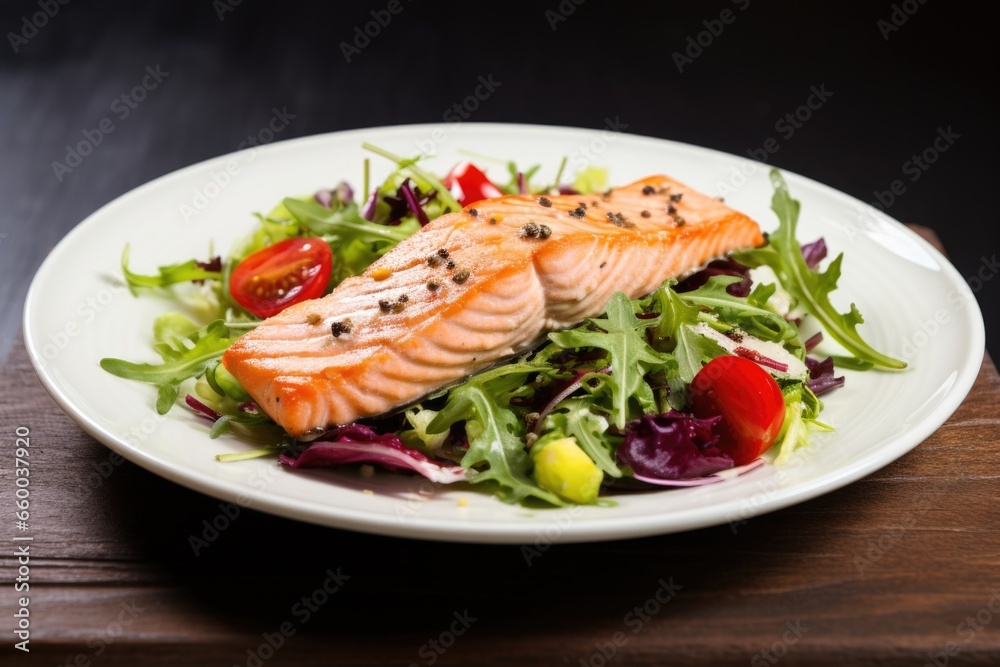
{"points": [[471, 288]]}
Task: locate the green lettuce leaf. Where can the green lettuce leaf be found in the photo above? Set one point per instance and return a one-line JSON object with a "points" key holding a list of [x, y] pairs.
{"points": [[802, 408], [420, 418], [591, 179]]}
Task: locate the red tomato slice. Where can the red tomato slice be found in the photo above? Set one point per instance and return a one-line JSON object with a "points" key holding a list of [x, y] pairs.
{"points": [[275, 277], [468, 184], [749, 401]]}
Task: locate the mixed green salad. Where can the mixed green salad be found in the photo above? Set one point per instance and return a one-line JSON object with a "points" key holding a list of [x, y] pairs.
{"points": [[688, 385]]}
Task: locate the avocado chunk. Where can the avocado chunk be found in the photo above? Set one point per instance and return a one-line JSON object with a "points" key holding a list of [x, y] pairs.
{"points": [[229, 384], [566, 470]]}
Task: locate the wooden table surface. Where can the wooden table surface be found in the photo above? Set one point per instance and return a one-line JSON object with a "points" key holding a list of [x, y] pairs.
{"points": [[902, 567]]}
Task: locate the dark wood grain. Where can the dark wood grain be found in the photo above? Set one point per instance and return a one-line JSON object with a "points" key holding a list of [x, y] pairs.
{"points": [[882, 572]]}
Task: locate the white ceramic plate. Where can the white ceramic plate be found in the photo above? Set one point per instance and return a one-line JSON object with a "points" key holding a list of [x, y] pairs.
{"points": [[917, 305]]}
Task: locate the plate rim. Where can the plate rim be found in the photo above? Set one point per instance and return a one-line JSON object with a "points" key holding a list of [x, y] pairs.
{"points": [[594, 529]]}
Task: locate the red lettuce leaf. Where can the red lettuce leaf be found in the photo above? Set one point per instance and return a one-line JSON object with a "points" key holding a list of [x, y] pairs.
{"points": [[814, 253], [356, 443], [673, 445], [821, 379], [719, 267]]}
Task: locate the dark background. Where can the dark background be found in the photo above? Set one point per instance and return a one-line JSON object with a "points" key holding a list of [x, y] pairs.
{"points": [[890, 96]]}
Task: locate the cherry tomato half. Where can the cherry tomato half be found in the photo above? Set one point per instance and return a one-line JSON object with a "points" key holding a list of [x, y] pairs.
{"points": [[468, 184], [275, 277], [749, 401]]}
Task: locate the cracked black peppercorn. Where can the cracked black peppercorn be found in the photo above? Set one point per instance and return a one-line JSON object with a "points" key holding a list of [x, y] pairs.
{"points": [[341, 327], [529, 230]]}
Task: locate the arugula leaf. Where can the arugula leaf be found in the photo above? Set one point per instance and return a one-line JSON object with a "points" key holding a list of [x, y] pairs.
{"points": [[355, 242], [496, 435], [344, 223], [573, 417], [513, 186], [166, 276], [671, 312], [183, 358], [428, 179], [621, 335], [692, 352], [750, 314], [810, 288], [852, 363]]}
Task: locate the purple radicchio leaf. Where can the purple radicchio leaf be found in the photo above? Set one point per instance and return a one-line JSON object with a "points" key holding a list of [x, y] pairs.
{"points": [[324, 198], [673, 445], [368, 210], [344, 192], [821, 379], [814, 253], [201, 408], [356, 443], [413, 202], [213, 264], [714, 478], [719, 267]]}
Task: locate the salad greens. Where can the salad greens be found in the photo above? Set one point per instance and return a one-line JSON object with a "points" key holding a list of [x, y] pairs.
{"points": [[186, 354], [604, 402], [811, 289], [622, 335], [495, 434]]}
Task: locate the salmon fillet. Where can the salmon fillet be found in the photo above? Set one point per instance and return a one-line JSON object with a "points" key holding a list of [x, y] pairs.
{"points": [[471, 288]]}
